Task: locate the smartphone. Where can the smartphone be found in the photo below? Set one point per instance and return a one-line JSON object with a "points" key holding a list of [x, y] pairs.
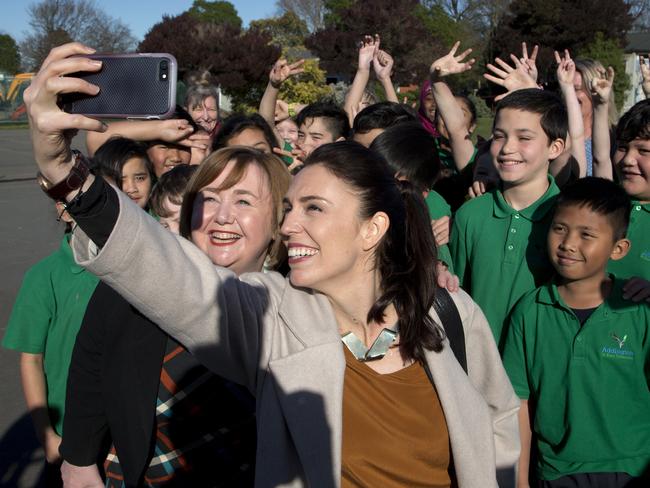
{"points": [[131, 86]]}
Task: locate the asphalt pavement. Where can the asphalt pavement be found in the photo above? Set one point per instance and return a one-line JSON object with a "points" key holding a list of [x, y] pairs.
{"points": [[28, 232]]}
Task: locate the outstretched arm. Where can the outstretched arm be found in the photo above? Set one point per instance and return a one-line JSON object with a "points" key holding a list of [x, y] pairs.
{"points": [[601, 91], [367, 51], [176, 130], [566, 70], [383, 66], [210, 294], [281, 71], [462, 147]]}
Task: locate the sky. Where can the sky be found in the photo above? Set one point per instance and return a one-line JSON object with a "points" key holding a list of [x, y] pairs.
{"points": [[139, 15]]}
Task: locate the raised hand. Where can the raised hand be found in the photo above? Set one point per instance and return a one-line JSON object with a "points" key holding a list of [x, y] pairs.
{"points": [[451, 64], [297, 156], [173, 130], [566, 69], [50, 126], [645, 74], [282, 70], [281, 110], [510, 78], [529, 61], [368, 48], [382, 64], [601, 85]]}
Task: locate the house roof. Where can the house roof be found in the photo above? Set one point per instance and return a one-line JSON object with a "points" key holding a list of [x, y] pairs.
{"points": [[638, 42]]}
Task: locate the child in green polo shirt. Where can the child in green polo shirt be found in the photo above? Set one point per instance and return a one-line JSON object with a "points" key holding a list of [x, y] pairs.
{"points": [[498, 240], [577, 352], [632, 161], [43, 326]]}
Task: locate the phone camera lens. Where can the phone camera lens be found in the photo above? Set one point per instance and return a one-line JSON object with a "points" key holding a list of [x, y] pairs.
{"points": [[164, 70]]}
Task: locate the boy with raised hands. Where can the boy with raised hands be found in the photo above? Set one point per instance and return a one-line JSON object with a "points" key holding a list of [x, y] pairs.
{"points": [[498, 241], [318, 123]]}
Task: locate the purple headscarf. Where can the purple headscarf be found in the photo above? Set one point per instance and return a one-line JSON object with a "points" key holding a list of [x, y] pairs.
{"points": [[422, 111]]}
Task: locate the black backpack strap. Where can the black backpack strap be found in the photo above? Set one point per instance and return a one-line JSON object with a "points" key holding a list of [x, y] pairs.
{"points": [[446, 309]]}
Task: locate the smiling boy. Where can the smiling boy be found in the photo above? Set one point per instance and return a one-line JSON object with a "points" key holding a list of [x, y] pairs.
{"points": [[498, 240], [576, 351], [321, 123], [632, 161]]}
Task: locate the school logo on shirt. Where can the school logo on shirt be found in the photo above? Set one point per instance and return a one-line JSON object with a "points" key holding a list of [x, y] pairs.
{"points": [[618, 351], [645, 255]]}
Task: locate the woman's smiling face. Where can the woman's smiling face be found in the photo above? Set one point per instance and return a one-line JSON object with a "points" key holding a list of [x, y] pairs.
{"points": [[322, 230], [233, 226]]}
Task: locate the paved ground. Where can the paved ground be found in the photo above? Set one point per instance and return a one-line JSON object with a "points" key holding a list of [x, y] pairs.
{"points": [[28, 233]]}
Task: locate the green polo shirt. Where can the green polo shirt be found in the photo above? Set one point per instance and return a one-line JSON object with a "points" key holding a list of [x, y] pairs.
{"points": [[499, 253], [46, 317], [438, 208], [588, 385], [637, 261]]}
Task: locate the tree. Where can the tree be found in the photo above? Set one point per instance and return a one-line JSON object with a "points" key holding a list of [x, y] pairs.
{"points": [[558, 24], [403, 35], [9, 56], [287, 31], [217, 12], [307, 87], [53, 21], [310, 11], [239, 60], [481, 15]]}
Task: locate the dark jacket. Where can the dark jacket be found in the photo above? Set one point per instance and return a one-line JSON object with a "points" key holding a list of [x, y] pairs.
{"points": [[113, 387]]}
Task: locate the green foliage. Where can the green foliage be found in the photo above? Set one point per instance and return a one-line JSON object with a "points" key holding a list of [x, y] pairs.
{"points": [[287, 31], [482, 109], [216, 12], [559, 25], [337, 93], [609, 53], [438, 23], [9, 56], [308, 87], [335, 12]]}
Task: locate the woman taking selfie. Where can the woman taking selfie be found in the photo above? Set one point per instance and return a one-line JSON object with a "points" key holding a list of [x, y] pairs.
{"points": [[355, 382], [181, 423]]}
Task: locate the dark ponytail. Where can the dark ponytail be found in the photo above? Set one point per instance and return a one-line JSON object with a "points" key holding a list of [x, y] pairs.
{"points": [[406, 256]]}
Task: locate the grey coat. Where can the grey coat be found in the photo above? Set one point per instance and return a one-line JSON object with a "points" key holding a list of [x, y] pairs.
{"points": [[283, 344]]}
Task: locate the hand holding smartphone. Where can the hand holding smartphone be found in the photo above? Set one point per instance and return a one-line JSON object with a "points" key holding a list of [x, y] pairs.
{"points": [[131, 86]]}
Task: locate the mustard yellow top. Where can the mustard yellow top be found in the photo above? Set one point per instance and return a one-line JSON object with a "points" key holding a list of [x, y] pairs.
{"points": [[394, 429]]}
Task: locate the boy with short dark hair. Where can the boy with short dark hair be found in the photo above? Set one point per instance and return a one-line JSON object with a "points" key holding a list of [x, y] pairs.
{"points": [[632, 161], [577, 352], [321, 123], [375, 118], [498, 240]]}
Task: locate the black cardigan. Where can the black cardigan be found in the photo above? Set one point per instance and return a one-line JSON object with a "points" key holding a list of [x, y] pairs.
{"points": [[113, 386]]}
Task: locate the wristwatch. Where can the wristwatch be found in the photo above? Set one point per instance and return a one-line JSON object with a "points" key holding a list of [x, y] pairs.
{"points": [[75, 179]]}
